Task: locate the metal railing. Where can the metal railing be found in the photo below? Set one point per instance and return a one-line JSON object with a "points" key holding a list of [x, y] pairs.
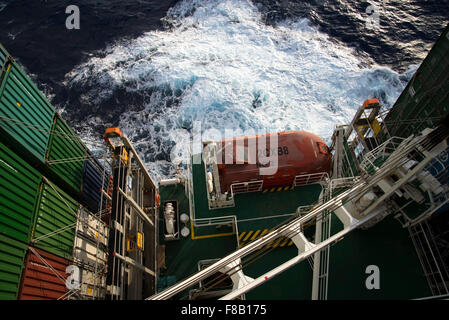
{"points": [[436, 203], [219, 221], [434, 269], [342, 183], [305, 179], [245, 187], [214, 221], [376, 157]]}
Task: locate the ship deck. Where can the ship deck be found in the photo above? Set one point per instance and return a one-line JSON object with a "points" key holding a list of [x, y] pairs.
{"points": [[386, 245]]}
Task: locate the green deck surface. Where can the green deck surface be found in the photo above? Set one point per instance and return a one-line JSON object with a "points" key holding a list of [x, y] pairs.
{"points": [[182, 256], [386, 245], [255, 204], [293, 284]]}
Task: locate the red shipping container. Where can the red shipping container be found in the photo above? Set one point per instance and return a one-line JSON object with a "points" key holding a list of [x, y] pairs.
{"points": [[40, 282]]}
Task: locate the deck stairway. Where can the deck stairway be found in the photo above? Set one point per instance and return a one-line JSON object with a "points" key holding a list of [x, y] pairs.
{"points": [[434, 269]]}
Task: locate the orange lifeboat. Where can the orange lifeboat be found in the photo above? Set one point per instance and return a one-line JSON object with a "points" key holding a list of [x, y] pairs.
{"points": [[298, 153]]}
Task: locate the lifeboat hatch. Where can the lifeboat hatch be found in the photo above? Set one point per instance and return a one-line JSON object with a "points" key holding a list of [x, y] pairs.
{"points": [[323, 148]]}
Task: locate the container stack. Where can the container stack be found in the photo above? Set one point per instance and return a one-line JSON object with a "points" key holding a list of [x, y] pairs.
{"points": [[94, 183], [90, 253], [26, 115], [41, 282], [65, 156], [19, 186], [52, 208], [413, 111]]}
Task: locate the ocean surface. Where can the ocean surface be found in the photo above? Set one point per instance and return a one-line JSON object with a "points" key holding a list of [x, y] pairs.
{"points": [[159, 69]]}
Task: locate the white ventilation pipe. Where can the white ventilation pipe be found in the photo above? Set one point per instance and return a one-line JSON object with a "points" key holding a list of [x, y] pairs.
{"points": [[167, 182]]}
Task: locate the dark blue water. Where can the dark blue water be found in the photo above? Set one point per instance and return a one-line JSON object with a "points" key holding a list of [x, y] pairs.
{"points": [[407, 28], [35, 33]]}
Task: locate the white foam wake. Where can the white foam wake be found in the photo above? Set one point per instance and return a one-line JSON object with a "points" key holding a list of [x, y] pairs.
{"points": [[221, 65]]}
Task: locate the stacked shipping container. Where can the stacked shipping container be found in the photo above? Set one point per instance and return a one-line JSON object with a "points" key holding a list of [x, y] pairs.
{"points": [[55, 210], [26, 115], [19, 187], [65, 156], [12, 255], [94, 183], [41, 282], [34, 210], [3, 55], [424, 102], [31, 127], [90, 253], [44, 215]]}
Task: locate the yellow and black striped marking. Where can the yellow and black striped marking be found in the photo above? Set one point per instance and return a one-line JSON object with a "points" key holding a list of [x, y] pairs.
{"points": [[247, 237], [287, 188]]}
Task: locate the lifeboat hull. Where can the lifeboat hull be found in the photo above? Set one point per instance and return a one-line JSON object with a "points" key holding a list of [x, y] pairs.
{"points": [[298, 153]]}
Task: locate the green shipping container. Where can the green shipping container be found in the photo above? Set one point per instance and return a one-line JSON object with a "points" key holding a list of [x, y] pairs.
{"points": [[424, 102], [3, 56], [19, 188], [66, 155], [25, 115], [55, 210], [12, 257]]}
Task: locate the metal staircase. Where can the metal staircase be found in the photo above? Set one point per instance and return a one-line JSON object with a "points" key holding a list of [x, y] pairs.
{"points": [[133, 226], [428, 253]]}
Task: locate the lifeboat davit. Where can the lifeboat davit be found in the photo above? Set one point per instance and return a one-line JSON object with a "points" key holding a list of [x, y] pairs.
{"points": [[298, 153]]}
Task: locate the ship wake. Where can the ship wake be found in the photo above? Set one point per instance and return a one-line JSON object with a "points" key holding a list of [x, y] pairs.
{"points": [[219, 64]]}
